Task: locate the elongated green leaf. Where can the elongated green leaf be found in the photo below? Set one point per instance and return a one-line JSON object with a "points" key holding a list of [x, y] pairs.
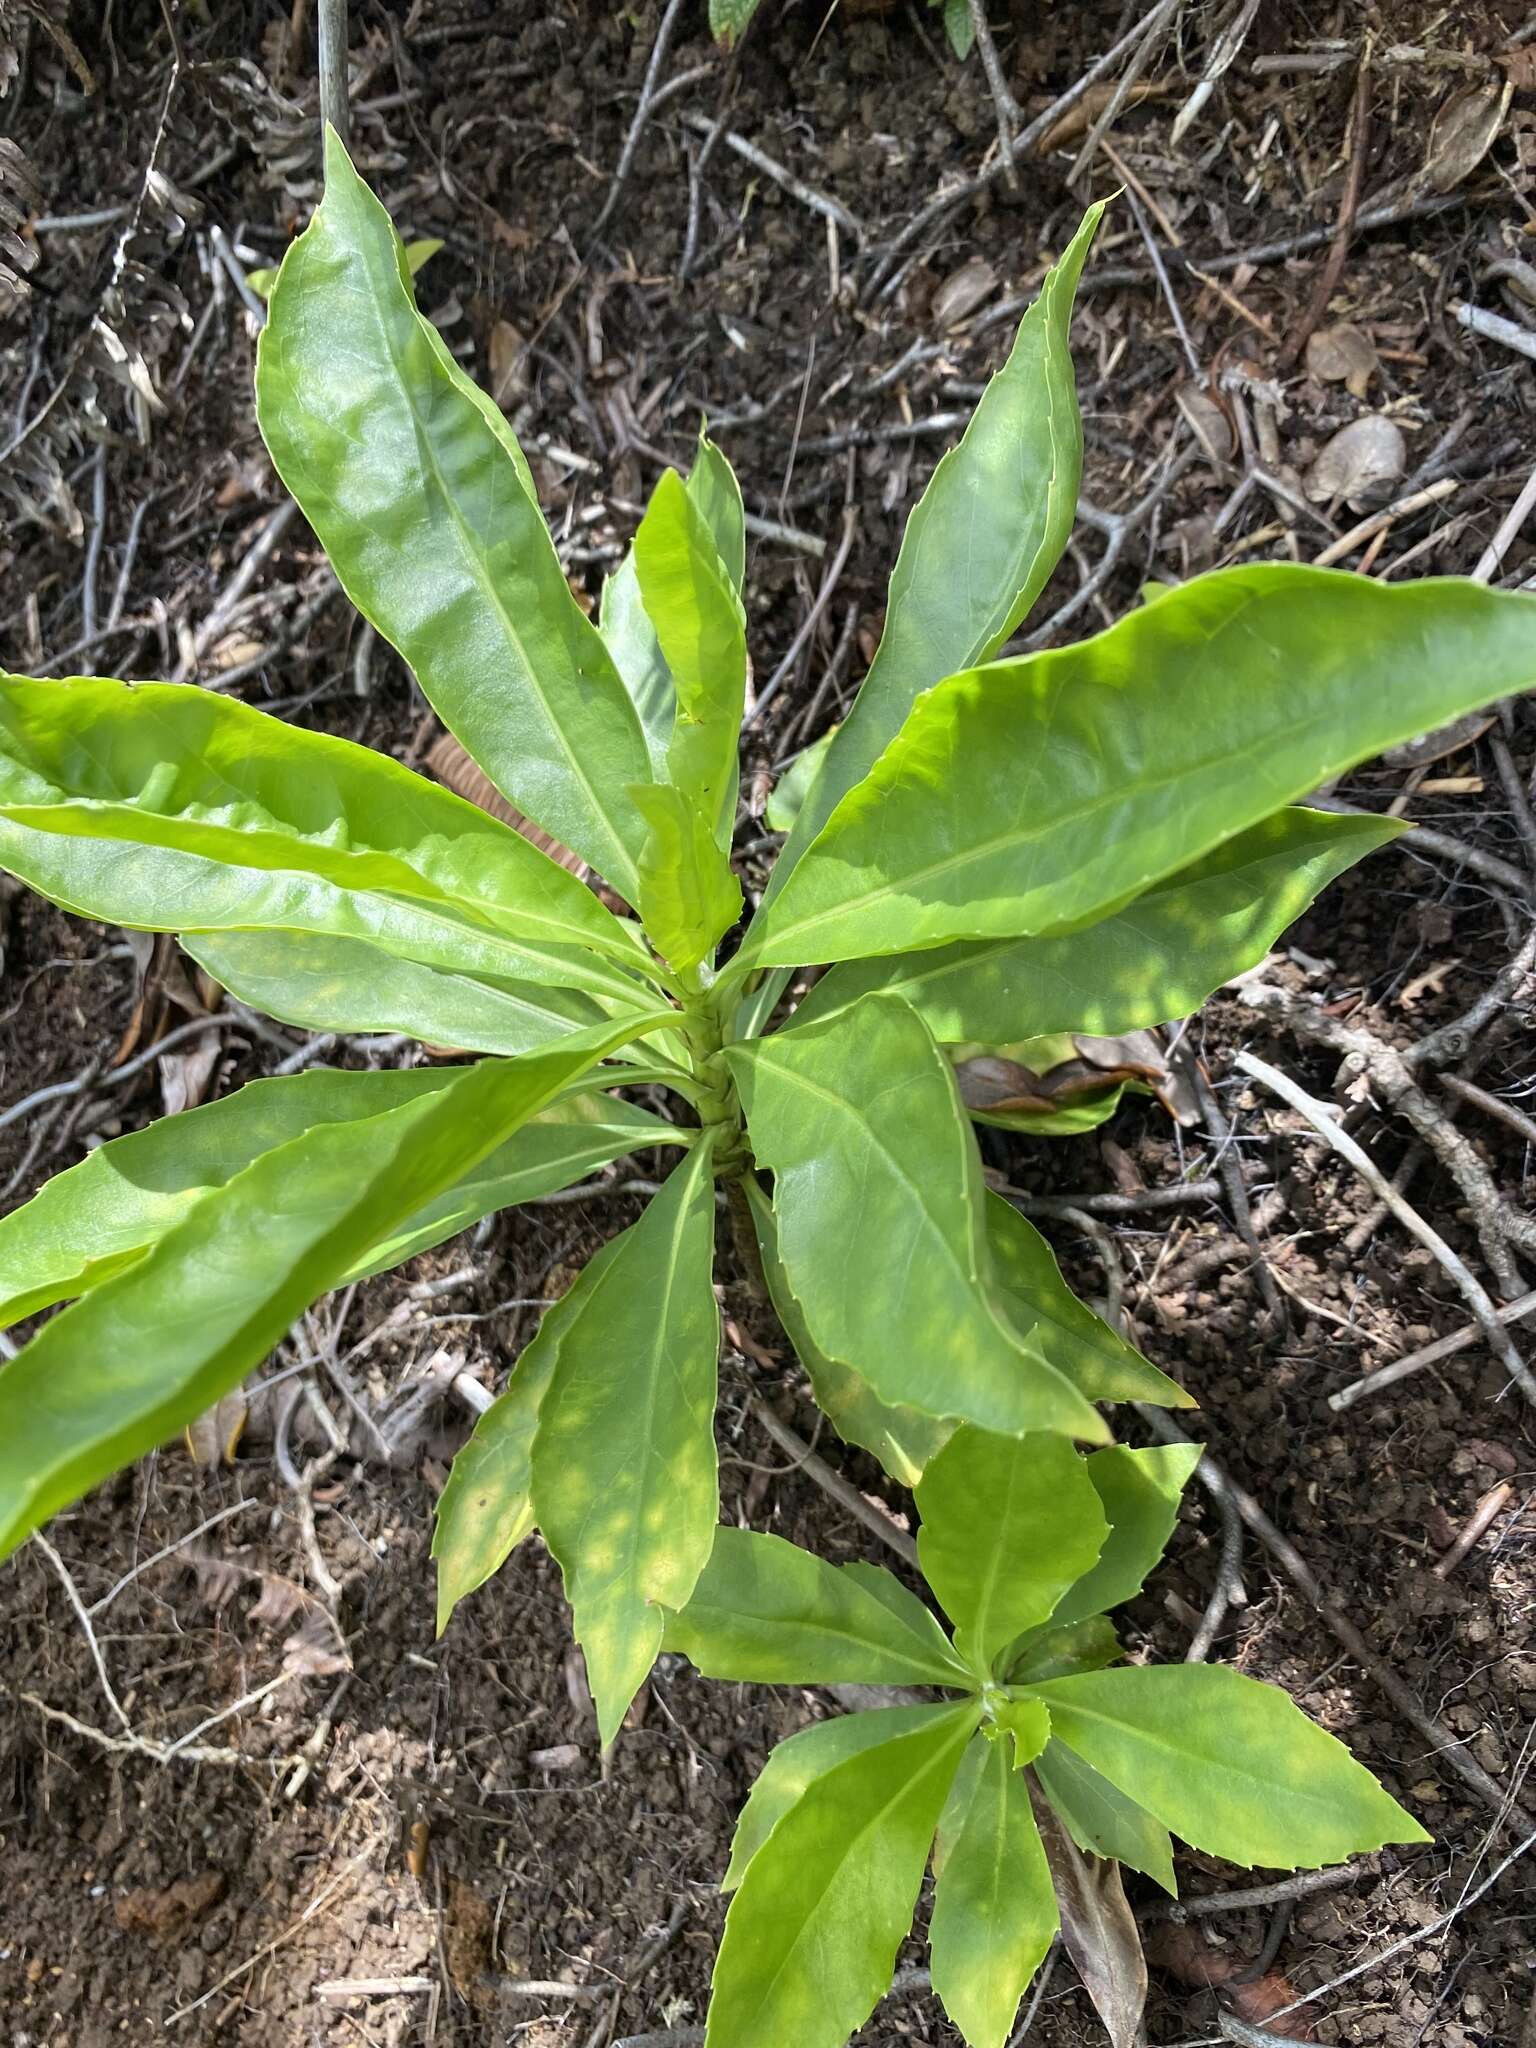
{"points": [[1043, 793], [688, 894], [694, 607], [877, 1179], [1056, 1325], [811, 1936], [902, 1439], [766, 1611], [1140, 1491], [1231, 1765], [1058, 1652], [486, 1508], [164, 807], [433, 528], [627, 630], [994, 1906], [624, 1475], [325, 983], [802, 1758], [1102, 1821], [156, 1344], [1009, 1523], [981, 542], [787, 798], [1158, 958], [95, 1218], [561, 1145]]}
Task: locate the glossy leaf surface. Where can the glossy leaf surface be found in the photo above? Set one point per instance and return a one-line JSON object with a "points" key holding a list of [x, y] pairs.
{"points": [[1156, 959], [806, 1756], [811, 1936], [994, 1906], [628, 632], [1103, 1821], [688, 894], [431, 524], [164, 807], [903, 1439], [1009, 1523], [147, 1351], [767, 1611], [981, 542], [1229, 1764], [624, 1474], [1040, 794], [878, 1182]]}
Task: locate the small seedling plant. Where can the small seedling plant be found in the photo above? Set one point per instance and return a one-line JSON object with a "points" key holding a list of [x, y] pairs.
{"points": [[992, 850], [1024, 1544]]}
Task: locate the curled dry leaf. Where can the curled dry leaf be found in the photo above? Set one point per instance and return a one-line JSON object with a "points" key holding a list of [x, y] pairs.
{"points": [[213, 1438], [963, 291], [1209, 421], [994, 1082], [1261, 2001], [1344, 354], [1464, 131], [1098, 1929], [1360, 464], [448, 761]]}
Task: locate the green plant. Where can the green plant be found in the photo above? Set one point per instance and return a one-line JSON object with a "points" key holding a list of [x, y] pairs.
{"points": [[992, 850], [1024, 1544]]}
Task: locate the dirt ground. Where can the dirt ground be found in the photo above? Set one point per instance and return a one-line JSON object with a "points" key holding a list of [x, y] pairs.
{"points": [[348, 1801]]}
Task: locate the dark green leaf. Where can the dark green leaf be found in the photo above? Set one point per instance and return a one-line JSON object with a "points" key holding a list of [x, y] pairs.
{"points": [[1140, 1491]]}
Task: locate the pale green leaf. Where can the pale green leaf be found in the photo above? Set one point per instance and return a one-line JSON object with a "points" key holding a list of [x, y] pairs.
{"points": [[431, 524], [1140, 1492], [1157, 958], [1058, 1327], [728, 19], [994, 1906], [1009, 1523], [902, 1439], [486, 1508], [877, 1175], [766, 1611], [811, 1936], [168, 808], [979, 547], [561, 1145], [1231, 1765], [960, 30], [624, 1475], [688, 894], [1027, 1724], [701, 628], [1042, 793], [802, 1758], [627, 630], [1102, 1821], [157, 1343], [95, 1218], [787, 798]]}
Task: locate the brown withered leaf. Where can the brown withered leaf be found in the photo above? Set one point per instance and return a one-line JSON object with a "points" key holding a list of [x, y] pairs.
{"points": [[1098, 1929], [991, 1082], [507, 351], [1343, 354], [963, 291], [315, 1649], [1261, 2001], [1359, 464], [1464, 131], [213, 1438], [448, 761], [171, 1910], [1436, 746]]}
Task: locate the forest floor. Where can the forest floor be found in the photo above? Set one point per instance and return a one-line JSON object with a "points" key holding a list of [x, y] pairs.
{"points": [[429, 1819]]}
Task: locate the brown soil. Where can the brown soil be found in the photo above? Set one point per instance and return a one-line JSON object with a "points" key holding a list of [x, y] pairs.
{"points": [[434, 1817]]}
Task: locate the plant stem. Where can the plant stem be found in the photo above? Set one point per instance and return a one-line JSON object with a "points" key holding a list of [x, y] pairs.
{"points": [[703, 1029]]}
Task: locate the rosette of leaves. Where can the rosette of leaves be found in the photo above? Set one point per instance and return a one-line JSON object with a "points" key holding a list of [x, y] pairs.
{"points": [[993, 849], [1024, 1544]]}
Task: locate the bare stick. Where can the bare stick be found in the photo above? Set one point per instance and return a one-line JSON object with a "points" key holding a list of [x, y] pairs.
{"points": [[1416, 501], [642, 114], [1494, 327], [821, 1474], [1338, 1140], [1431, 1354], [1003, 102], [84, 1620], [808, 626], [333, 68], [1493, 555], [1486, 1513], [797, 188], [1349, 207]]}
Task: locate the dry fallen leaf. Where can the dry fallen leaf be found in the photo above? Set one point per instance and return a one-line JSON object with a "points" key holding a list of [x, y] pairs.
{"points": [[1360, 464], [1464, 131], [508, 354], [1209, 421], [1261, 2001], [449, 762], [1098, 1930], [1344, 354], [213, 1437], [963, 291]]}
